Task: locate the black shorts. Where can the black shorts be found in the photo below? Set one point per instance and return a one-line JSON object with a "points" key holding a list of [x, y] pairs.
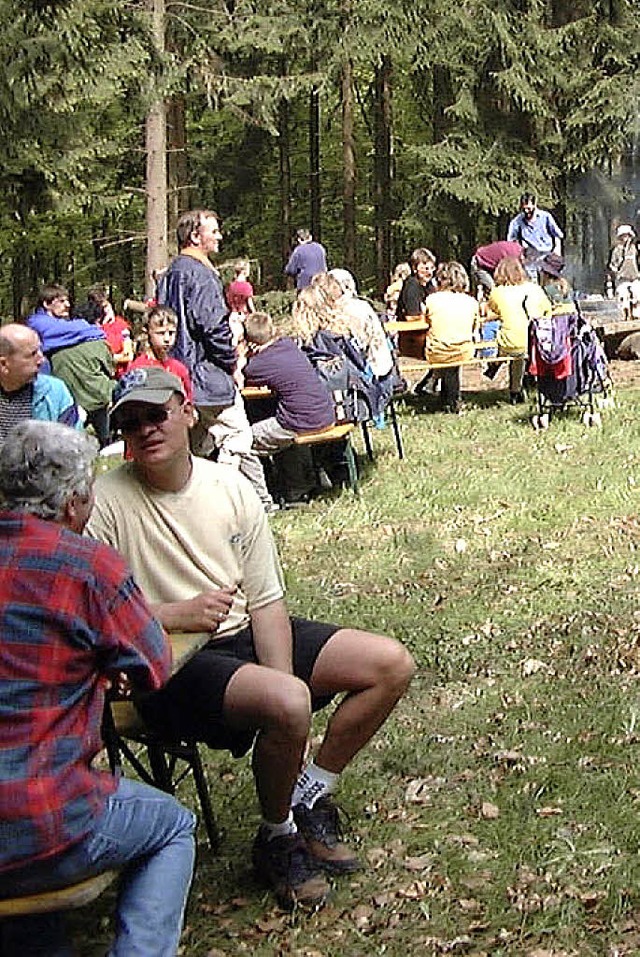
{"points": [[190, 704]]}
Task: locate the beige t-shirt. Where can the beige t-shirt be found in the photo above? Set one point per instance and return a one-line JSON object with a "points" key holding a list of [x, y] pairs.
{"points": [[211, 534]]}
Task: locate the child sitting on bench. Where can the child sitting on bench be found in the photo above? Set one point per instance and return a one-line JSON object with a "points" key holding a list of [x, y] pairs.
{"points": [[302, 402]]}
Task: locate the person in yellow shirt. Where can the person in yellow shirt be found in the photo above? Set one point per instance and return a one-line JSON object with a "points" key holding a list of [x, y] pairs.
{"points": [[514, 300], [453, 316]]}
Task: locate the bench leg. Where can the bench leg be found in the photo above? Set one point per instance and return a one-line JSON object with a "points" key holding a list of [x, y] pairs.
{"points": [[396, 429], [352, 468], [366, 438], [202, 788]]}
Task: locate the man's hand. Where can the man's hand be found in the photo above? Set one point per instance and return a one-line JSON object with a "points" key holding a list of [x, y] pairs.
{"points": [[204, 612]]}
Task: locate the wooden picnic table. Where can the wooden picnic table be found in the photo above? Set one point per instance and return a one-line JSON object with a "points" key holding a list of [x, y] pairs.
{"points": [[256, 392], [186, 644]]}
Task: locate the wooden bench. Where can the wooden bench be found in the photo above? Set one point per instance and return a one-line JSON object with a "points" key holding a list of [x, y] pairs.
{"points": [[256, 392], [409, 365], [336, 433], [63, 898]]}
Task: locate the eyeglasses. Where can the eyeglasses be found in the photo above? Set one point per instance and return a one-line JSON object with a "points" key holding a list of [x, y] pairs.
{"points": [[155, 416]]}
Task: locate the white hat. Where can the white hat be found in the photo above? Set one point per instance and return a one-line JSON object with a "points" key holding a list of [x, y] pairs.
{"points": [[624, 231]]}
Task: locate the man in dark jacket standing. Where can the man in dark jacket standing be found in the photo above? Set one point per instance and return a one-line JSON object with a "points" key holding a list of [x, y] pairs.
{"points": [[192, 287]]}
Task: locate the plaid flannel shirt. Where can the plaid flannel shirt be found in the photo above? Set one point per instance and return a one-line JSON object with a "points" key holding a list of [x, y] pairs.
{"points": [[70, 616]]}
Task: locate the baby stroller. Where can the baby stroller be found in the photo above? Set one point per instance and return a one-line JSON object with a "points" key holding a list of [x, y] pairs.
{"points": [[569, 366]]}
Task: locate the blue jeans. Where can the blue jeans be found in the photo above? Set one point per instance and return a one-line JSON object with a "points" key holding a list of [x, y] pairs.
{"points": [[144, 833]]}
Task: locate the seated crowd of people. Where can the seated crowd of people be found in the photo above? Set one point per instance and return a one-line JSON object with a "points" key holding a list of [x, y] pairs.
{"points": [[95, 573], [506, 299]]}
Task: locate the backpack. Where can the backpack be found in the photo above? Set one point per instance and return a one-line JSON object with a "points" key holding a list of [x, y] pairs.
{"points": [[551, 334], [341, 379], [338, 365]]}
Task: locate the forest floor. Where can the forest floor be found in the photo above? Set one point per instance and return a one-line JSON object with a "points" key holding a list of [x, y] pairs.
{"points": [[497, 812]]}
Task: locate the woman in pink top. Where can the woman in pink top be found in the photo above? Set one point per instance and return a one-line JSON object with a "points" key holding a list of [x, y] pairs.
{"points": [[239, 292]]}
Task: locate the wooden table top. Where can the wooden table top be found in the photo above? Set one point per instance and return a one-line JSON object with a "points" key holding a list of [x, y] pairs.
{"points": [[410, 325], [256, 392], [185, 644]]}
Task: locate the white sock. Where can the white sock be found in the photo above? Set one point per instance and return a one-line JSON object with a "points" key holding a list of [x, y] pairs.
{"points": [[288, 826], [313, 783]]}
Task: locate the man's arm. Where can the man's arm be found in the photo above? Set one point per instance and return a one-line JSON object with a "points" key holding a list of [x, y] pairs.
{"points": [[204, 612], [131, 640], [292, 268], [272, 636], [556, 234], [206, 316], [514, 233]]}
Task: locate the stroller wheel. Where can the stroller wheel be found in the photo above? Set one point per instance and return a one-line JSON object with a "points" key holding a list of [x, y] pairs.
{"points": [[592, 419], [540, 422]]}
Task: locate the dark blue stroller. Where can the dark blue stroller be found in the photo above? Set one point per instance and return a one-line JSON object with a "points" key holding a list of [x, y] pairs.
{"points": [[569, 366]]}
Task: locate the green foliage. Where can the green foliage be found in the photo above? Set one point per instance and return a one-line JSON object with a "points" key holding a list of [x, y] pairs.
{"points": [[486, 100]]}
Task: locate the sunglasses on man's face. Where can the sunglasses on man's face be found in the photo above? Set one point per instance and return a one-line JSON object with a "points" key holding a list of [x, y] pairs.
{"points": [[156, 415]]}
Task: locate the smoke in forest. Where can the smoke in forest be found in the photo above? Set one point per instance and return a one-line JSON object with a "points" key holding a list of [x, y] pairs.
{"points": [[599, 201]]}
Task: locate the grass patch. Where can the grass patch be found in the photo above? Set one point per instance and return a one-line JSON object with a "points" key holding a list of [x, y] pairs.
{"points": [[498, 809]]}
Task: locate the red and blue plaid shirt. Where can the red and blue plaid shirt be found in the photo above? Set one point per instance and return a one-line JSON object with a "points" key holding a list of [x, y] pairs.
{"points": [[70, 617]]}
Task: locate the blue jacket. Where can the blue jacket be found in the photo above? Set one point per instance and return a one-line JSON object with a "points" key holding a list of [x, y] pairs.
{"points": [[52, 402], [203, 340], [59, 333]]}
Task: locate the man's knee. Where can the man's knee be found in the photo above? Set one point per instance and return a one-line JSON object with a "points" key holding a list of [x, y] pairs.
{"points": [[364, 660], [268, 700], [395, 665]]}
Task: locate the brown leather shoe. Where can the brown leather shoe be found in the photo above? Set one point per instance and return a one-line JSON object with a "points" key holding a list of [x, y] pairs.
{"points": [[286, 865], [321, 829]]}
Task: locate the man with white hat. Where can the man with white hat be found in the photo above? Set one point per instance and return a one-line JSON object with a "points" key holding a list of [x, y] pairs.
{"points": [[623, 267]]}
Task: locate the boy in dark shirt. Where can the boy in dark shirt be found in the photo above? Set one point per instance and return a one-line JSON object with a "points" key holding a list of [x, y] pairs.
{"points": [[303, 404]]}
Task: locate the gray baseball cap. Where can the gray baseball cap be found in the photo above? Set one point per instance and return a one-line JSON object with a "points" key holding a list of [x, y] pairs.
{"points": [[152, 385]]}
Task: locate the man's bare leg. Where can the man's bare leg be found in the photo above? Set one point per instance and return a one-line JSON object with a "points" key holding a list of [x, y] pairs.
{"points": [[375, 672], [279, 706]]}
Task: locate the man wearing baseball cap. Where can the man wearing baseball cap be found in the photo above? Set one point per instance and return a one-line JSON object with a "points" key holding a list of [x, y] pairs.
{"points": [[200, 547]]}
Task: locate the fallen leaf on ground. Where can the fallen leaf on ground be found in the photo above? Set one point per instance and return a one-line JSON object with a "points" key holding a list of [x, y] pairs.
{"points": [[418, 863], [531, 666], [489, 811]]}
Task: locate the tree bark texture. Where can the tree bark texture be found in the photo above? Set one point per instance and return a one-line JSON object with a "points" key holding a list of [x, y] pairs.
{"points": [[383, 173], [284, 163], [156, 145], [349, 169], [178, 169], [315, 197]]}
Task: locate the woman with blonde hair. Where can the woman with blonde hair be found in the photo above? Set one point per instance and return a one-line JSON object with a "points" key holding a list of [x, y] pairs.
{"points": [[315, 309], [452, 316], [514, 300]]}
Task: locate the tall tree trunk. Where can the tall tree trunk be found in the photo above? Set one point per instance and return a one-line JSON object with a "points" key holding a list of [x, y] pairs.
{"points": [[382, 173], [178, 198], [156, 143], [284, 165], [315, 207], [349, 168]]}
